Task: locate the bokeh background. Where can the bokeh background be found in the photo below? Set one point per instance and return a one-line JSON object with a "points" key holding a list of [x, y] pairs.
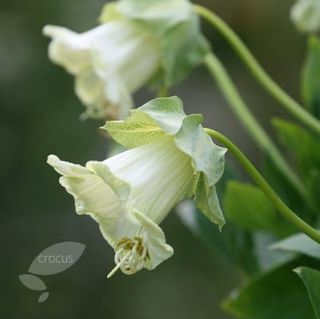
{"points": [[39, 115]]}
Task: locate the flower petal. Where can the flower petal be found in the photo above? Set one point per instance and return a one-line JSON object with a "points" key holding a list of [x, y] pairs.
{"points": [[91, 194], [107, 64], [176, 26], [90, 89], [158, 250], [159, 174], [68, 48], [305, 14], [164, 117], [120, 54]]}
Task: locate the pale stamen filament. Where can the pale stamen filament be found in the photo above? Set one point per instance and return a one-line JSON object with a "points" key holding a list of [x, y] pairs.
{"points": [[118, 265], [130, 256]]}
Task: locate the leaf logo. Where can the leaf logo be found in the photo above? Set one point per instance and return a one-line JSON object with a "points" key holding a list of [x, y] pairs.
{"points": [[52, 260]]}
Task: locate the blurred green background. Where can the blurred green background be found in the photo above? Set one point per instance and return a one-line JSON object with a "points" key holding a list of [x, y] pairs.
{"points": [[39, 115]]}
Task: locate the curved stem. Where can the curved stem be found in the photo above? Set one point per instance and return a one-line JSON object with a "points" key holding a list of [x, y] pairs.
{"points": [[282, 208], [265, 80], [240, 108]]}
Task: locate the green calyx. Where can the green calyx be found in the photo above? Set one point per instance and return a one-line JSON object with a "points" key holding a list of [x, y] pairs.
{"points": [[163, 118]]}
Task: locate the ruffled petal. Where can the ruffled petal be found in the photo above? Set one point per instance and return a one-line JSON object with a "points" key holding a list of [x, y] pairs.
{"points": [[92, 195], [68, 49], [158, 250]]}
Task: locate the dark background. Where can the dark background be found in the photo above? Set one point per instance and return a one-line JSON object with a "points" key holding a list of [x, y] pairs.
{"points": [[39, 115]]}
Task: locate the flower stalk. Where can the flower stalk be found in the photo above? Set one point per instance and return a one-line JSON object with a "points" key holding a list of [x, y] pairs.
{"points": [[256, 131], [163, 91], [282, 208], [258, 72]]}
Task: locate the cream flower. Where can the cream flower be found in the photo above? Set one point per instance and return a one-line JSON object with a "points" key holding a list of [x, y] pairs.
{"points": [[154, 42], [110, 62], [306, 15], [129, 195], [171, 158]]}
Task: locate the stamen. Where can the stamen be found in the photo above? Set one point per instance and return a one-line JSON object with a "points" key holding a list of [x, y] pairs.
{"points": [[130, 256], [118, 266]]}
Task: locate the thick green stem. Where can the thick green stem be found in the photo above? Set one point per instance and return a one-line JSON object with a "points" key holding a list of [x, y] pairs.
{"points": [[281, 207], [240, 108], [264, 79]]}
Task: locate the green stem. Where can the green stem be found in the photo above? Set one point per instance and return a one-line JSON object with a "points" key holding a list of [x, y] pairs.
{"points": [[282, 208], [240, 108], [163, 91], [265, 80]]}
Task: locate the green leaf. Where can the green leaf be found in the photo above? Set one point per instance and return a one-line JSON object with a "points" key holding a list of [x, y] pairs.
{"points": [[232, 247], [274, 294], [311, 76], [267, 258], [304, 147], [248, 207], [314, 185], [285, 190], [299, 243], [311, 279]]}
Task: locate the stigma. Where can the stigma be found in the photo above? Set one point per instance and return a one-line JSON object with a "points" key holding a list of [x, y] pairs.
{"points": [[130, 256]]}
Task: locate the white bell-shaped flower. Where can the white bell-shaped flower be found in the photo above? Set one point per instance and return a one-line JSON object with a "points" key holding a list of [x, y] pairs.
{"points": [[109, 62], [170, 158], [152, 43], [129, 195]]}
